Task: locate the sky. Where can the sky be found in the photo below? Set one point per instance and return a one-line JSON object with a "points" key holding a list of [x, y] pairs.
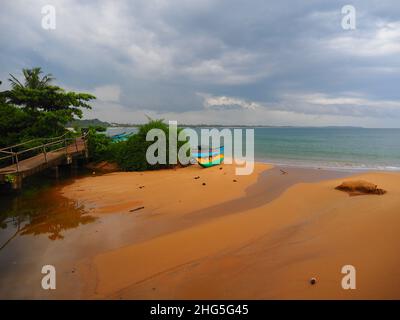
{"points": [[252, 62]]}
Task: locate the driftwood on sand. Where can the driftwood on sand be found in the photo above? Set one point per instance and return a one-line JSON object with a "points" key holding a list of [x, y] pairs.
{"points": [[359, 187], [136, 209]]}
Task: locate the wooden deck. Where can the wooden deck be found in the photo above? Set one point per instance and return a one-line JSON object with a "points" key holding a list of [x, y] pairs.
{"points": [[44, 160]]}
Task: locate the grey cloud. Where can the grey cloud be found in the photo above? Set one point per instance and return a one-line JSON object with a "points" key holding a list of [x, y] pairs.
{"points": [[160, 54], [348, 104]]}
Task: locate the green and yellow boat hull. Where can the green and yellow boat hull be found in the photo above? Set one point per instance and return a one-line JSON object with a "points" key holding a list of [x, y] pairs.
{"points": [[207, 162]]}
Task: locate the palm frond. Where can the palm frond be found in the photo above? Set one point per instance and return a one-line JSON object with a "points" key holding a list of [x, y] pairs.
{"points": [[15, 82]]}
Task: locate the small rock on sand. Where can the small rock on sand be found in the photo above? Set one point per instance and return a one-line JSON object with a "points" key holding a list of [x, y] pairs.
{"points": [[359, 187], [313, 281], [204, 183]]}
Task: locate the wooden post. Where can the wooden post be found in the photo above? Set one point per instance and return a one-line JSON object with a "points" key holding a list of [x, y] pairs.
{"points": [[85, 144], [56, 172], [74, 166], [16, 184], [16, 161], [45, 153], [69, 159]]}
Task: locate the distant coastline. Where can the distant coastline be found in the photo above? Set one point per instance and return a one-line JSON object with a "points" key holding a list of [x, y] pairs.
{"points": [[97, 122]]}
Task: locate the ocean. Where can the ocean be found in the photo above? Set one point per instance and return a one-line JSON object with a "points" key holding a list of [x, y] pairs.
{"points": [[330, 147]]}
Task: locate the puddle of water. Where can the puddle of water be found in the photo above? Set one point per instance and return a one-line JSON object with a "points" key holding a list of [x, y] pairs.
{"points": [[39, 209]]}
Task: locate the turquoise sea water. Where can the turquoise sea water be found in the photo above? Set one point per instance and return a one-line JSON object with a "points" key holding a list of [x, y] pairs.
{"points": [[353, 148]]}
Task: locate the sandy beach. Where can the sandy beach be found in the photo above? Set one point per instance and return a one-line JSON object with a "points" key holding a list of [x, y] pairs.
{"points": [[209, 234], [206, 151]]}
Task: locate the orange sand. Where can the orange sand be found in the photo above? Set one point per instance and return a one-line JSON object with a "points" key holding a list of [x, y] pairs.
{"points": [[270, 251], [169, 192]]}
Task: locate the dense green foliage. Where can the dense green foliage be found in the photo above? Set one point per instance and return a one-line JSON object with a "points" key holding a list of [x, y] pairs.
{"points": [[130, 155], [13, 121], [86, 123], [35, 108], [101, 147]]}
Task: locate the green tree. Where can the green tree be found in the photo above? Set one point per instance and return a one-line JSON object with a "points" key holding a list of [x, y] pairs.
{"points": [[32, 79], [39, 107], [99, 146], [132, 156], [13, 121], [38, 94]]}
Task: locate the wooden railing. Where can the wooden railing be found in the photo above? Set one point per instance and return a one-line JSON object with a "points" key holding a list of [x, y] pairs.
{"points": [[51, 145]]}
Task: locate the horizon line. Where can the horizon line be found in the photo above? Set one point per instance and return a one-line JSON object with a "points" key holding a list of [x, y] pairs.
{"points": [[117, 124]]}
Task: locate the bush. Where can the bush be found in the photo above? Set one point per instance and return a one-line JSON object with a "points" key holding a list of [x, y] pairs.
{"points": [[13, 121], [132, 155], [99, 146], [99, 128]]}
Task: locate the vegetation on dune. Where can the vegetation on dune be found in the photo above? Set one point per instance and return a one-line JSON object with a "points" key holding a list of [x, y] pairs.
{"points": [[130, 155], [100, 146], [133, 156]]}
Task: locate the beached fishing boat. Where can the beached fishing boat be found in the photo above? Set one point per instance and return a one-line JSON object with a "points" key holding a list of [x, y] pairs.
{"points": [[211, 161], [121, 137], [207, 157], [207, 152]]}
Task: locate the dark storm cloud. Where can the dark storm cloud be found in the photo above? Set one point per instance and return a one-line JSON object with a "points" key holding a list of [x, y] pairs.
{"points": [[179, 57]]}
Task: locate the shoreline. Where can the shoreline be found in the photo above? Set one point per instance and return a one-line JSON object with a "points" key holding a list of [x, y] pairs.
{"points": [[306, 165]]}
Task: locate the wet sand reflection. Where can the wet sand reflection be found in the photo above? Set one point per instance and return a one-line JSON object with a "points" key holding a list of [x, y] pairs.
{"points": [[38, 211]]}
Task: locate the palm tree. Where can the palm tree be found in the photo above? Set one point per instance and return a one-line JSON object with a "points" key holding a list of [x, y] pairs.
{"points": [[32, 79]]}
